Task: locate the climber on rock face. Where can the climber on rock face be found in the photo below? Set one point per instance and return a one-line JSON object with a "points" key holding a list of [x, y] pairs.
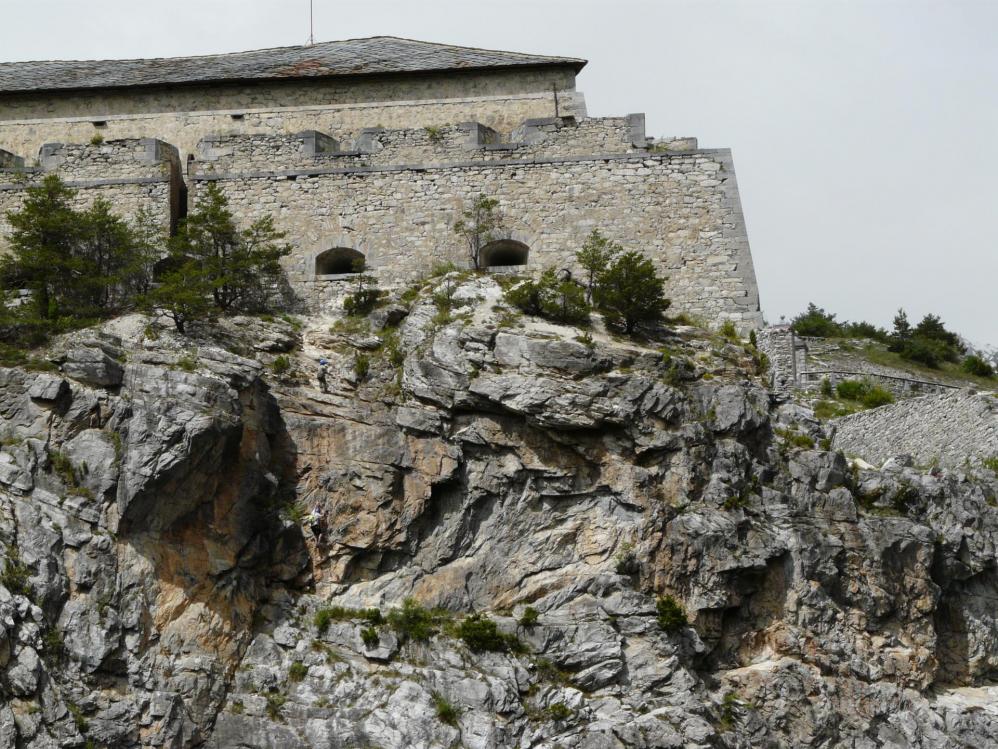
{"points": [[321, 374]]}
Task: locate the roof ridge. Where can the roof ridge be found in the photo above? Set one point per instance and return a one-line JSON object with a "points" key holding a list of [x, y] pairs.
{"points": [[289, 47]]}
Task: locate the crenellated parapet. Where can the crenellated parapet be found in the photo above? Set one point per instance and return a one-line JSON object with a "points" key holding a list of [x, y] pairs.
{"points": [[460, 143]]}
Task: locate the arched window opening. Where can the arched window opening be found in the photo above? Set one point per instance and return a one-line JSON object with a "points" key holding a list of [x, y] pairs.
{"points": [[339, 260], [504, 252]]}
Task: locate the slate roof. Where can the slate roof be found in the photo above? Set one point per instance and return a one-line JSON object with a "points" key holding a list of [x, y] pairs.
{"points": [[374, 55]]}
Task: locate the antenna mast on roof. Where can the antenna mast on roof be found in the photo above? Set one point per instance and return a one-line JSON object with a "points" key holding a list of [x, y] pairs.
{"points": [[311, 23]]}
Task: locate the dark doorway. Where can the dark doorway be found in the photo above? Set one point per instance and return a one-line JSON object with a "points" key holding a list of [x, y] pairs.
{"points": [[337, 261]]}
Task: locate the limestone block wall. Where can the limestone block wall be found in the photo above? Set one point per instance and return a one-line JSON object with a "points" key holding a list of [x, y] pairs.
{"points": [[184, 115], [681, 209], [130, 174], [451, 144], [950, 428]]}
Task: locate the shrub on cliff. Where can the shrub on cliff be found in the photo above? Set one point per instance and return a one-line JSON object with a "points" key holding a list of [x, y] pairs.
{"points": [[481, 634], [560, 300], [213, 266], [630, 291], [671, 615]]}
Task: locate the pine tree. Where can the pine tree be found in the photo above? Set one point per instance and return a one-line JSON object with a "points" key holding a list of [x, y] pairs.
{"points": [[595, 256], [240, 265], [630, 292]]}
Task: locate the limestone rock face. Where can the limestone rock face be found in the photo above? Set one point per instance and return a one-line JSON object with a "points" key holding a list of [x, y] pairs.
{"points": [[202, 553]]}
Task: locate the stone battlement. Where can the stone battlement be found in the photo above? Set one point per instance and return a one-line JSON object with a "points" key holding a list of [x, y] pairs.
{"points": [[535, 139], [133, 174]]}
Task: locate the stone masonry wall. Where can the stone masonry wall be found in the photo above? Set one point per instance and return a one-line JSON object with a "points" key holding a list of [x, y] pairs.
{"points": [[185, 115], [130, 174], [949, 428], [682, 209], [470, 141]]}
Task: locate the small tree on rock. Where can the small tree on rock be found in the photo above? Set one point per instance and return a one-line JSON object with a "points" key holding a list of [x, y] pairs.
{"points": [[595, 256], [241, 265], [183, 294], [630, 291], [478, 226]]}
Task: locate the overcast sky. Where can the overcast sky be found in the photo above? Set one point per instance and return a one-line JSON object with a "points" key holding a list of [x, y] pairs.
{"points": [[865, 132]]}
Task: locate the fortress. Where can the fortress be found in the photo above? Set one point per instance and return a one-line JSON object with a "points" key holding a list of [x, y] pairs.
{"points": [[371, 148]]}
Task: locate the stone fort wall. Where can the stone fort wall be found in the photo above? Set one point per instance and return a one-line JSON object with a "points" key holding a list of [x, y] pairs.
{"points": [[393, 196], [950, 429], [397, 205], [183, 115], [130, 174]]}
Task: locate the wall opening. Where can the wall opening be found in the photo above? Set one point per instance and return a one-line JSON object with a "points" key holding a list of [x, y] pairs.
{"points": [[339, 260], [504, 252]]}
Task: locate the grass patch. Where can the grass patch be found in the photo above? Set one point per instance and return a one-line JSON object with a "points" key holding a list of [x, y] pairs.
{"points": [[326, 616], [15, 574], [297, 672], [946, 370], [796, 439], [447, 712]]}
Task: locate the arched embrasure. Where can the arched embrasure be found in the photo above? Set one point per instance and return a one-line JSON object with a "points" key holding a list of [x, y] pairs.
{"points": [[337, 261], [504, 252]]}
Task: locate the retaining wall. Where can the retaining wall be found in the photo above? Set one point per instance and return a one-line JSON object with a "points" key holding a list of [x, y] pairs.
{"points": [[949, 428]]}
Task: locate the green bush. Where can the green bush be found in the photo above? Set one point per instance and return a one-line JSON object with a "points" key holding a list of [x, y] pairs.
{"points": [[447, 713], [796, 439], [991, 463], [480, 634], [852, 390], [561, 300], [281, 365], [865, 393], [728, 330], [15, 574], [412, 621], [187, 363], [297, 672], [816, 323], [370, 637], [976, 366], [275, 701], [558, 711], [529, 617], [877, 396], [826, 388], [671, 615], [630, 291], [323, 618], [361, 366], [361, 301]]}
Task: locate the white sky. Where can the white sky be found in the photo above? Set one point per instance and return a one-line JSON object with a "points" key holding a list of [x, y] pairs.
{"points": [[864, 132]]}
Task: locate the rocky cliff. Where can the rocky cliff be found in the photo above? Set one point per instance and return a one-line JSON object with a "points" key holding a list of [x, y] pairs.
{"points": [[201, 552]]}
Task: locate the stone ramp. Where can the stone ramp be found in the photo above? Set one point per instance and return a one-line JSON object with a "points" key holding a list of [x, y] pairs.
{"points": [[947, 428]]}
